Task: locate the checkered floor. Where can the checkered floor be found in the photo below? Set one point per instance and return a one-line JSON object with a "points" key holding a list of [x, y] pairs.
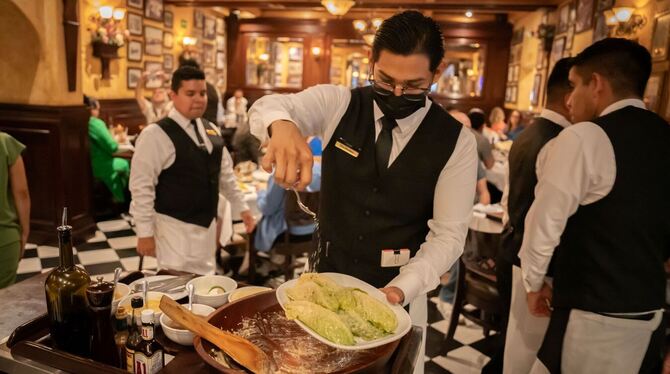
{"points": [[114, 246]]}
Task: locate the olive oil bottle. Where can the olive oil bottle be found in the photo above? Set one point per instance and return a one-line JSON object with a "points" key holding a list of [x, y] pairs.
{"points": [[65, 289]]}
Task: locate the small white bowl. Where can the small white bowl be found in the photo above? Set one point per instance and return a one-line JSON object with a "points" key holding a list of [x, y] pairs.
{"points": [[246, 291], [122, 290], [179, 336], [154, 302], [202, 285]]}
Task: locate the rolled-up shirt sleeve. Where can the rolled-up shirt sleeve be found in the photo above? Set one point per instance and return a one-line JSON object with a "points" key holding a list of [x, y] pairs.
{"points": [[152, 154], [315, 111], [452, 207], [228, 185]]}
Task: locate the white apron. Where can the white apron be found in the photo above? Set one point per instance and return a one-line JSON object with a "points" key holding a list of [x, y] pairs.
{"points": [[184, 246], [524, 331]]}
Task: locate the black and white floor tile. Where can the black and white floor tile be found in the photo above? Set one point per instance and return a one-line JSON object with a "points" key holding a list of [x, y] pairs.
{"points": [[114, 246]]}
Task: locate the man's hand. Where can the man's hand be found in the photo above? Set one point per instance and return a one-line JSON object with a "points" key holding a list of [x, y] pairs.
{"points": [[146, 246], [539, 303], [248, 220], [394, 295], [289, 153]]}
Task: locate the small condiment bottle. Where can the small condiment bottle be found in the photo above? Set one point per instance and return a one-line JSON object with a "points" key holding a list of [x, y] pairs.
{"points": [[149, 357], [121, 334], [99, 296], [134, 337]]}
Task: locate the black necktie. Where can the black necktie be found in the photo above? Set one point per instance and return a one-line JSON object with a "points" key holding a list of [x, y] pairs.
{"points": [[201, 143], [384, 143]]}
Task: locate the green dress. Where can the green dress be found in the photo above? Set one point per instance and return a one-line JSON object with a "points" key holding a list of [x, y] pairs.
{"points": [[10, 229], [112, 171]]}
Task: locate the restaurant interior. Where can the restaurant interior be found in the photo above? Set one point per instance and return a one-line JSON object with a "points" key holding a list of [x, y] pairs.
{"points": [[121, 54]]}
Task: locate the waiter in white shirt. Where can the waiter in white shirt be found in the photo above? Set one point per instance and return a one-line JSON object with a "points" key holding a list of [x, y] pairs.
{"points": [[398, 172], [600, 215], [524, 331], [179, 167]]}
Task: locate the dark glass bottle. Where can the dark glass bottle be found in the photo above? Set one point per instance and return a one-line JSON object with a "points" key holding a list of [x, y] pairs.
{"points": [[149, 358], [121, 335], [134, 337], [65, 289], [103, 347]]}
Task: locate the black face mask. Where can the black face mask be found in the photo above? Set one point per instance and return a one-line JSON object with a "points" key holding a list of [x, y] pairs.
{"points": [[397, 107]]}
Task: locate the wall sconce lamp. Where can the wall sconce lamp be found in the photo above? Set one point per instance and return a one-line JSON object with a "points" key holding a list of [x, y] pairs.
{"points": [[108, 12], [107, 36], [624, 21], [316, 52]]}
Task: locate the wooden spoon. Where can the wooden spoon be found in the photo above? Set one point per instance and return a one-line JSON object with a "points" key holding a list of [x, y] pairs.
{"points": [[239, 349]]}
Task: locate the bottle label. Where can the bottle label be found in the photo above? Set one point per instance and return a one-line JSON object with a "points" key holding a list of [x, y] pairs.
{"points": [[130, 360], [147, 332], [148, 365]]}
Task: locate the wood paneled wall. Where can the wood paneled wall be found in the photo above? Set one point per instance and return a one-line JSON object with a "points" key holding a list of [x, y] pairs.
{"points": [[57, 166], [122, 111], [495, 35]]}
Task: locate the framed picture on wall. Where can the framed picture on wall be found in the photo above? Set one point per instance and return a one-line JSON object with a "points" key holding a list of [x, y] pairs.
{"points": [[513, 94], [584, 15], [198, 19], [510, 73], [153, 9], [220, 26], [537, 89], [153, 80], [653, 91], [604, 5], [220, 43], [601, 30], [563, 18], [210, 28], [220, 60], [210, 75], [508, 89], [167, 40], [133, 77], [134, 24], [153, 41], [134, 50], [169, 19], [208, 55], [659, 42], [557, 50], [569, 38], [139, 4], [168, 62]]}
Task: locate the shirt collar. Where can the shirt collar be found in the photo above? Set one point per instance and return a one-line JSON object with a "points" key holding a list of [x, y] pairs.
{"points": [[413, 120], [622, 104], [555, 117], [179, 118]]}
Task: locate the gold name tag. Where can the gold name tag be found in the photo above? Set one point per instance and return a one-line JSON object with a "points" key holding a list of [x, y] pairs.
{"points": [[394, 257], [211, 132], [347, 149]]}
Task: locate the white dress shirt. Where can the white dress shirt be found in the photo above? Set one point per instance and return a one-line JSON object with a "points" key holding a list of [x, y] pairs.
{"points": [[317, 111], [553, 117], [154, 153], [578, 169]]}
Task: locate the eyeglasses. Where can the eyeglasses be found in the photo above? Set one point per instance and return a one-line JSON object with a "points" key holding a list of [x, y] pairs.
{"points": [[387, 89]]}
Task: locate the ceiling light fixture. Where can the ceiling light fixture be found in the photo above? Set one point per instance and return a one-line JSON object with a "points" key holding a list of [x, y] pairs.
{"points": [[468, 13], [338, 7], [368, 28]]}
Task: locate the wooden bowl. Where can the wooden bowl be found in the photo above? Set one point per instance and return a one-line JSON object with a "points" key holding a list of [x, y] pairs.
{"points": [[229, 317]]}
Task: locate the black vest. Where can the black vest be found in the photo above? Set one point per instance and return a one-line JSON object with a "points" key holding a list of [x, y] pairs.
{"points": [[189, 189], [361, 212], [522, 181], [212, 103], [611, 254]]}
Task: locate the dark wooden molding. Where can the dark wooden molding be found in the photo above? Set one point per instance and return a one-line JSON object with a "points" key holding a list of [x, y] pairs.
{"points": [[57, 166], [71, 32], [122, 111]]}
